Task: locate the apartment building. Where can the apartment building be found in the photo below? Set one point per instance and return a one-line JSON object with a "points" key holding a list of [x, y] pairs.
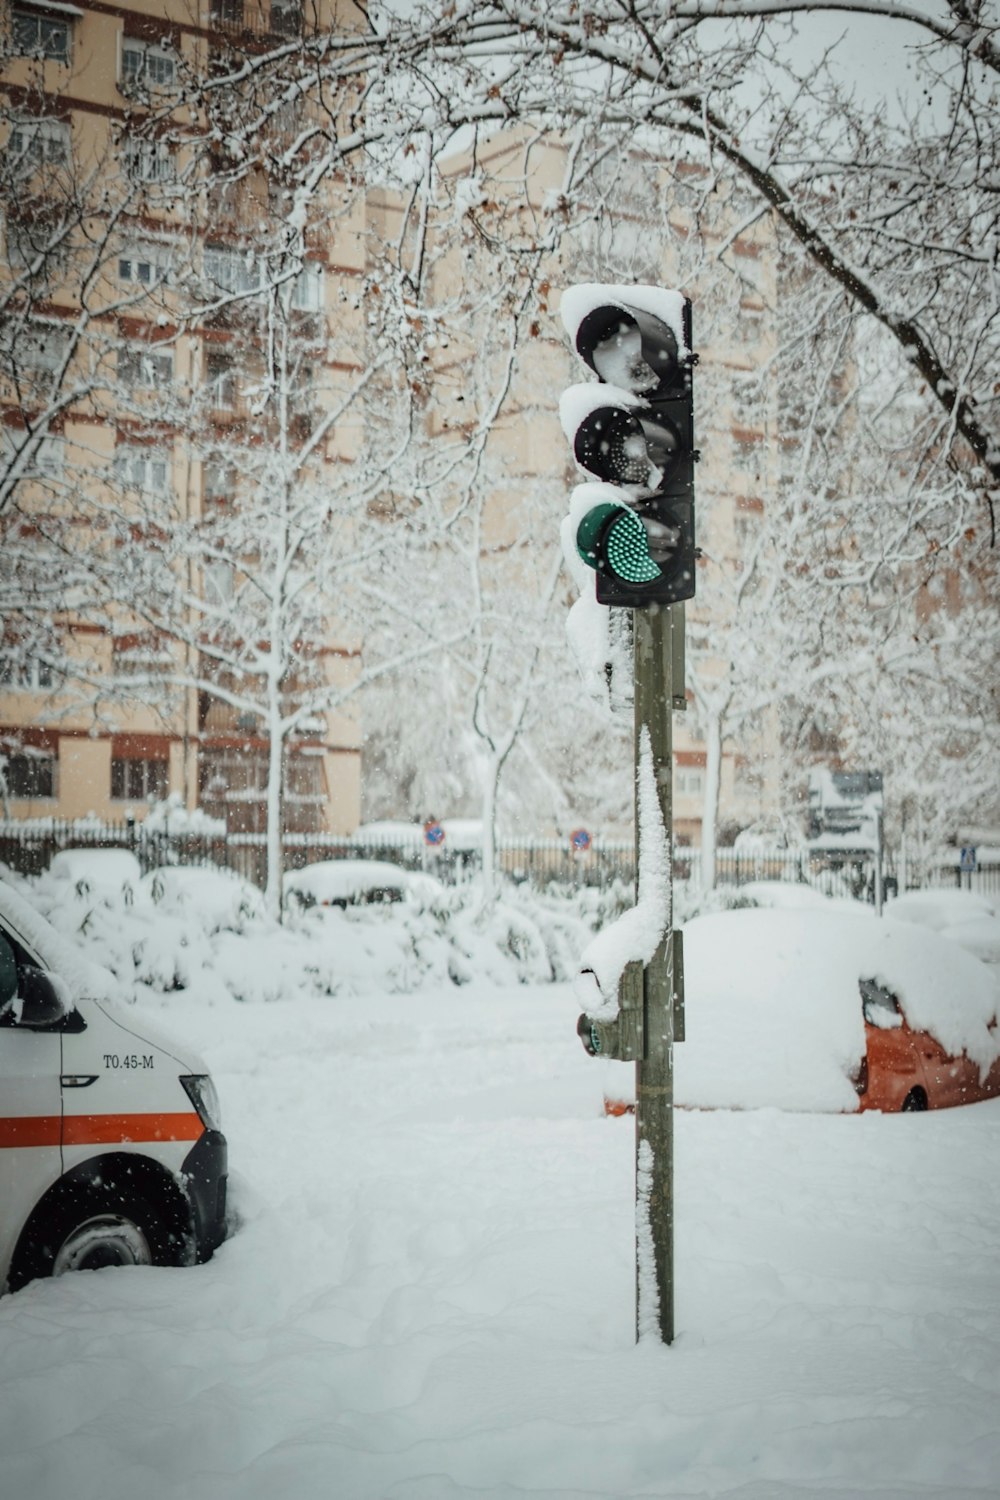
{"points": [[175, 351], [180, 353]]}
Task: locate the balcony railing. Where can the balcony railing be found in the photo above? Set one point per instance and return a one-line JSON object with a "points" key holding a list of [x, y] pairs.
{"points": [[257, 18]]}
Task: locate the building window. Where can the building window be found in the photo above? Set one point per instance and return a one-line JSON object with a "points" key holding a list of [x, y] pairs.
{"points": [[142, 264], [232, 785], [29, 773], [220, 582], [139, 656], [37, 240], [147, 161], [286, 17], [227, 13], [307, 288], [220, 380], [219, 483], [304, 778], [142, 469], [37, 35], [30, 674], [145, 367], [38, 143], [145, 66], [231, 272], [40, 346], [48, 460], [138, 780], [688, 782]]}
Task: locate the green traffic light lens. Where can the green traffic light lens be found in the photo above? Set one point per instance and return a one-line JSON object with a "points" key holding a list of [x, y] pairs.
{"points": [[612, 539], [626, 546]]}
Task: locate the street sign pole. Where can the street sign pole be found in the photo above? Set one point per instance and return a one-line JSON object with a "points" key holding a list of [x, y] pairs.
{"points": [[655, 652]]}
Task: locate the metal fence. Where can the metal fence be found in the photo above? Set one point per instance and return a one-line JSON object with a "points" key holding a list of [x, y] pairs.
{"points": [[28, 848]]}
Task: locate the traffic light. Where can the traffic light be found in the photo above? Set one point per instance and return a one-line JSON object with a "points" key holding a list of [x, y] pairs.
{"points": [[634, 433]]}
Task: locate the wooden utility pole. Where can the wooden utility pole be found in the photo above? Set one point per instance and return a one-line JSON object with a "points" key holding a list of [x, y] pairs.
{"points": [[655, 652]]}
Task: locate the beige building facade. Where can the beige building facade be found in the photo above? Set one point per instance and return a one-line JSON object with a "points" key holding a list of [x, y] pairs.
{"points": [[165, 409], [136, 343]]}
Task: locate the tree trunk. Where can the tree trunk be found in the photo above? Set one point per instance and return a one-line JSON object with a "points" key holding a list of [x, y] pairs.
{"points": [[275, 757], [489, 829]]}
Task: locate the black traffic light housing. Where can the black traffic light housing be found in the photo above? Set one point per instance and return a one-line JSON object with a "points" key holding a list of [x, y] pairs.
{"points": [[641, 543]]}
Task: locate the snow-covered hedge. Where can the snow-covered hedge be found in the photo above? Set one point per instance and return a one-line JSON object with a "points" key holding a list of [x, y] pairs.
{"points": [[205, 932]]}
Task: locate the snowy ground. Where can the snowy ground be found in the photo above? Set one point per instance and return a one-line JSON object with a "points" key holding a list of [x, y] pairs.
{"points": [[431, 1293]]}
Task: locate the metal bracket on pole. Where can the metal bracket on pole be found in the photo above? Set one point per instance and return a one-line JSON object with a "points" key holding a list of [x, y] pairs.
{"points": [[623, 1037], [675, 972], [678, 670]]}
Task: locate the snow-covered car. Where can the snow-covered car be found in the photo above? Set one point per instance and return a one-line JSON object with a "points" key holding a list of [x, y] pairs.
{"points": [[356, 882], [787, 894], [965, 917], [794, 894], [830, 1011], [98, 872], [216, 900], [111, 1151]]}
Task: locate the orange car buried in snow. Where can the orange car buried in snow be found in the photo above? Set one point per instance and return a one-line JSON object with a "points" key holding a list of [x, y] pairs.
{"points": [[827, 1009], [904, 1069]]}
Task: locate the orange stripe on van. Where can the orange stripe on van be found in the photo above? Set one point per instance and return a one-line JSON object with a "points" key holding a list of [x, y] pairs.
{"points": [[106, 1130], [30, 1130], [97, 1130]]}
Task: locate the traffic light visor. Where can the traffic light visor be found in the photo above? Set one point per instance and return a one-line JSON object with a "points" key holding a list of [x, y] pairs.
{"points": [[623, 447], [630, 348]]}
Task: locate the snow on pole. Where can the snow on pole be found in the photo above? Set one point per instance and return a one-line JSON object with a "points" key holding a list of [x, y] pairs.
{"points": [[647, 1291], [654, 1249], [638, 932]]}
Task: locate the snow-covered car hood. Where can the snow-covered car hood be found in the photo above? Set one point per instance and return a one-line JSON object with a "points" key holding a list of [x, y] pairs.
{"points": [[84, 979]]}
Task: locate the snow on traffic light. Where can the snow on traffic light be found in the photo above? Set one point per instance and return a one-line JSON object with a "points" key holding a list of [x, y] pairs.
{"points": [[634, 434]]}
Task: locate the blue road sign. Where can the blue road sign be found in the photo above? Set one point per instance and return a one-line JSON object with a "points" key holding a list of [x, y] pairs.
{"points": [[968, 858]]}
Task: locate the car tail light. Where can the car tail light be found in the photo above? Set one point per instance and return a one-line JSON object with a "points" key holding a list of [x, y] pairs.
{"points": [[860, 1079]]}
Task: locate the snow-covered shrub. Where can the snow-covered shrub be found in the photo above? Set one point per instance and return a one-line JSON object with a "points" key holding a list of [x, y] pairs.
{"points": [[205, 931]]}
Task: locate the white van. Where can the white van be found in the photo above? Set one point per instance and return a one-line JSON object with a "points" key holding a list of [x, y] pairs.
{"points": [[110, 1146]]}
